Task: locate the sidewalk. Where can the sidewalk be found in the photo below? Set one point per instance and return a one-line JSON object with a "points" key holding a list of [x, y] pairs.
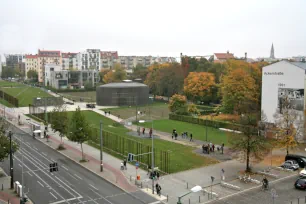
{"points": [[8, 196]]}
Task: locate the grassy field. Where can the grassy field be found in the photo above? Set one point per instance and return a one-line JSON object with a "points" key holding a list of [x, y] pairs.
{"points": [[182, 157], [10, 84], [25, 94], [198, 131], [156, 111], [88, 96]]}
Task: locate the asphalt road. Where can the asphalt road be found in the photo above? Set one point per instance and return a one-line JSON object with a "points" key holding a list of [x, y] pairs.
{"points": [[285, 193], [71, 184]]}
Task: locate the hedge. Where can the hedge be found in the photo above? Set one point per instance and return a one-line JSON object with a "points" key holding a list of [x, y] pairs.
{"points": [[210, 123]]}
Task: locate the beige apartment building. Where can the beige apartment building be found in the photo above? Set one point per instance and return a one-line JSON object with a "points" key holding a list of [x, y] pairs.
{"points": [[31, 63], [47, 57]]}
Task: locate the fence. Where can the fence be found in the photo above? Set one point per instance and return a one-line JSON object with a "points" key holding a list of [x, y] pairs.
{"points": [[210, 123], [121, 146], [10, 99]]}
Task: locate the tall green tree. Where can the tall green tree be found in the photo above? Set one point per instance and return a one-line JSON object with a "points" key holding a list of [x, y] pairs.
{"points": [[79, 129], [139, 72], [32, 75], [5, 142], [59, 121], [117, 75]]}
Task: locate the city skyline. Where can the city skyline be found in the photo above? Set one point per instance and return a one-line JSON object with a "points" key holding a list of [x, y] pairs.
{"points": [[157, 29]]}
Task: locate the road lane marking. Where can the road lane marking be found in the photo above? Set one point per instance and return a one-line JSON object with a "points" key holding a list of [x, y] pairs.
{"points": [[29, 173], [101, 197], [40, 184], [78, 177], [72, 176], [35, 148], [20, 165], [44, 153], [157, 202], [91, 199], [67, 200], [53, 195], [64, 167], [93, 187]]}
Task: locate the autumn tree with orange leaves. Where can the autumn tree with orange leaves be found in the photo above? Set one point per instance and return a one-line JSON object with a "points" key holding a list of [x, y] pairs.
{"points": [[238, 87], [200, 86]]}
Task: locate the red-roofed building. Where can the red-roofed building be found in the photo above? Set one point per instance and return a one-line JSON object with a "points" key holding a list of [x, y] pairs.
{"points": [[108, 59], [222, 57], [47, 57]]}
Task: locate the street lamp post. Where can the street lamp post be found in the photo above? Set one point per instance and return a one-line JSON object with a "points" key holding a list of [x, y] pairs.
{"points": [[101, 147], [11, 161]]}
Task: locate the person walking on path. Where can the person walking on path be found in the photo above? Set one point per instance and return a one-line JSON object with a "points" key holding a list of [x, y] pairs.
{"points": [[158, 189], [213, 148], [150, 132], [143, 131], [108, 112], [208, 148], [124, 164], [175, 135], [191, 137], [222, 147]]}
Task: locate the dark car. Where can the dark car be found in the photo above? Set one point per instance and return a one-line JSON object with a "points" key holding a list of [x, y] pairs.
{"points": [[90, 105], [300, 183], [290, 164], [301, 160]]}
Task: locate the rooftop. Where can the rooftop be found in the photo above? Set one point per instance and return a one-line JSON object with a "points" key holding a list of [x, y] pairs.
{"points": [[31, 56], [124, 85], [224, 55], [49, 53], [300, 64]]}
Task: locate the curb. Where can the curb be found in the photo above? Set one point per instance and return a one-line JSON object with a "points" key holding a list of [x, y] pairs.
{"points": [[83, 166]]}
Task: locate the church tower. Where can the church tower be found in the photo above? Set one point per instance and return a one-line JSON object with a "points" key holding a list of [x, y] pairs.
{"points": [[272, 52]]}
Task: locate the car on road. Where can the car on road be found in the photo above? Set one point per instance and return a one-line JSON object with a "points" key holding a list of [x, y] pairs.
{"points": [[303, 173], [90, 105], [301, 160], [290, 164], [69, 103], [300, 183]]}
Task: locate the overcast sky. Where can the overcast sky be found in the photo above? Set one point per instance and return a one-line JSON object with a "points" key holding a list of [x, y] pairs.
{"points": [[155, 27]]}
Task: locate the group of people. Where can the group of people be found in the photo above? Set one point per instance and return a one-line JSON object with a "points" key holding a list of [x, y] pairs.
{"points": [[105, 112], [210, 147], [144, 130], [184, 135]]}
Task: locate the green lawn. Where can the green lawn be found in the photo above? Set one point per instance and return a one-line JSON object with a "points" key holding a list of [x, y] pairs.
{"points": [[198, 131], [88, 96], [156, 111], [10, 84], [7, 104], [182, 157], [25, 94]]}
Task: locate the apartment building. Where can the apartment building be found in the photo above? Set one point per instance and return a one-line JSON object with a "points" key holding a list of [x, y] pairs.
{"points": [[14, 59], [70, 61], [47, 57], [90, 59], [48, 69], [108, 59], [31, 63], [129, 62]]}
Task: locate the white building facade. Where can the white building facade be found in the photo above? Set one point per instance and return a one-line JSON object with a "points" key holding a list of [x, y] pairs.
{"points": [[90, 59], [70, 61], [48, 69], [284, 79]]}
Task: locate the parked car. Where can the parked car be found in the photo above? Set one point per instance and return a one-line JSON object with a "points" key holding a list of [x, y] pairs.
{"points": [[301, 160], [300, 183], [303, 173], [90, 105], [290, 164], [69, 102]]}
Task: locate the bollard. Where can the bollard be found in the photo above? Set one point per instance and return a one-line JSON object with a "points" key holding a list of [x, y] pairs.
{"points": [[2, 187], [189, 200], [141, 184], [167, 198], [187, 185], [199, 199]]}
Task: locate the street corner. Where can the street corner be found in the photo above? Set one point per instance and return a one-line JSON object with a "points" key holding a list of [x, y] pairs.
{"points": [[157, 197]]}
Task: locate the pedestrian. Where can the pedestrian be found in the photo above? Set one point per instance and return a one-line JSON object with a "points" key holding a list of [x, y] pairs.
{"points": [[150, 132], [138, 130], [158, 189], [124, 164], [175, 135], [191, 137], [213, 148], [143, 131], [45, 134], [222, 147], [203, 147], [208, 148], [108, 112], [157, 175], [149, 169]]}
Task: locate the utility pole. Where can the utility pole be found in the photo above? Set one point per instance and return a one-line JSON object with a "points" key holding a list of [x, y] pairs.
{"points": [[152, 156], [11, 161], [101, 147]]}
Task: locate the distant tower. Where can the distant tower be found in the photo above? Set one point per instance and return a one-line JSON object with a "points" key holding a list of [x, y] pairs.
{"points": [[272, 52]]}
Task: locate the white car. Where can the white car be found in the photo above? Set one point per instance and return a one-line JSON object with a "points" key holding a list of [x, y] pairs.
{"points": [[303, 173]]}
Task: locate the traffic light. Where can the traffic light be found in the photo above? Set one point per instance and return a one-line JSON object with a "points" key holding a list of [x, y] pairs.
{"points": [[53, 167], [130, 157]]}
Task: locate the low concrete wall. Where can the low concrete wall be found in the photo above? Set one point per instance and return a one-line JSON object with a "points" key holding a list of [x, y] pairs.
{"points": [[6, 182]]}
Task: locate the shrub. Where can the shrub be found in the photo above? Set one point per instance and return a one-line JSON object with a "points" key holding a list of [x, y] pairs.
{"points": [[176, 102]]}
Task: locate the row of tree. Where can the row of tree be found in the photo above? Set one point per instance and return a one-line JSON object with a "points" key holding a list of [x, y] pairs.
{"points": [[76, 129]]}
